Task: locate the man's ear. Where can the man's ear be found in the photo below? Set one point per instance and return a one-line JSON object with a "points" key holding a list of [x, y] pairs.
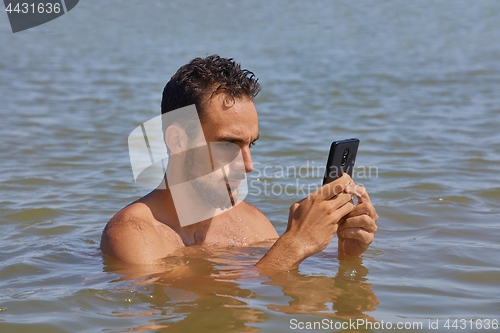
{"points": [[176, 139]]}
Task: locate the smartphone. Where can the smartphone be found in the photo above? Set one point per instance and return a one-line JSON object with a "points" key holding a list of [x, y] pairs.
{"points": [[341, 159]]}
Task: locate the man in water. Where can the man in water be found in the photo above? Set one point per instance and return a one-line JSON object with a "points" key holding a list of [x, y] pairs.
{"points": [[150, 228]]}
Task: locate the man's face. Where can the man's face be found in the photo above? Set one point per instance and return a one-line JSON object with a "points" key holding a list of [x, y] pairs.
{"points": [[230, 130]]}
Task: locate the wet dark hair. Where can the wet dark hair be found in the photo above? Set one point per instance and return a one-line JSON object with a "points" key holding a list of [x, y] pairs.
{"points": [[202, 78]]}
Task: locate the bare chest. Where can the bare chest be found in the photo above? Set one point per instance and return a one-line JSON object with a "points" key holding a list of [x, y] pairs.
{"points": [[229, 232]]}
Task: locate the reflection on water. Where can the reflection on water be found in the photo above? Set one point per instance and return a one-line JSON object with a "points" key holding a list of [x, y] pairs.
{"points": [[343, 297], [218, 288]]}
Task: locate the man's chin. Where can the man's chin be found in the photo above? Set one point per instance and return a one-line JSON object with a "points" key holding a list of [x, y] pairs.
{"points": [[227, 200], [221, 199]]}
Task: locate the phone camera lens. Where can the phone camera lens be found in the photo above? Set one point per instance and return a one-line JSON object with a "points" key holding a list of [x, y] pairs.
{"points": [[344, 156]]}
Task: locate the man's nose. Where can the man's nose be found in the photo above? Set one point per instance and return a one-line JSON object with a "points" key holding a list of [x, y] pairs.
{"points": [[245, 162]]}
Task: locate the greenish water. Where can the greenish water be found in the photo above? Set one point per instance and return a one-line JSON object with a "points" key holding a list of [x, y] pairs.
{"points": [[417, 82]]}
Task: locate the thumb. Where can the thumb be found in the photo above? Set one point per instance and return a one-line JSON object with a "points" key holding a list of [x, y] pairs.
{"points": [[293, 208]]}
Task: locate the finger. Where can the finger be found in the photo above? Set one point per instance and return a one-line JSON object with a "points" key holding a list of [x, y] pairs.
{"points": [[343, 210], [295, 205], [364, 208], [333, 217], [359, 234], [338, 201], [360, 192], [334, 188], [362, 221]]}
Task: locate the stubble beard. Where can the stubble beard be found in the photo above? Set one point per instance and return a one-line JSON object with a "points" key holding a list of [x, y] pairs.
{"points": [[212, 197], [209, 191]]}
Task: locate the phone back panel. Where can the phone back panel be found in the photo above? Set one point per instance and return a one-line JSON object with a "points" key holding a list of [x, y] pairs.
{"points": [[341, 159]]}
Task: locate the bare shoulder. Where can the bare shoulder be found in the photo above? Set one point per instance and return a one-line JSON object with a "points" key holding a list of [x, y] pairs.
{"points": [[132, 236], [260, 223]]}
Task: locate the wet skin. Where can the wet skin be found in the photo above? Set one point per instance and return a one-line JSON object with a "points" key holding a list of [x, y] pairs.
{"points": [[149, 229]]}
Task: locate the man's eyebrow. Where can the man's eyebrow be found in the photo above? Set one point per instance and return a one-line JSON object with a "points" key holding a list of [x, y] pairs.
{"points": [[235, 139]]}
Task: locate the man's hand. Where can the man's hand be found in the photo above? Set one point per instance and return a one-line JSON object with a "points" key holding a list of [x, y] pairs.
{"points": [[314, 220], [312, 223], [356, 230]]}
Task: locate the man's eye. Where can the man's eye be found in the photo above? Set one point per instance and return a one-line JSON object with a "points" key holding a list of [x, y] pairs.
{"points": [[227, 144], [251, 144]]}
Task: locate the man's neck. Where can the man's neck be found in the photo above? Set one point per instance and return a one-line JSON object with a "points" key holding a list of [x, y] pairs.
{"points": [[191, 233]]}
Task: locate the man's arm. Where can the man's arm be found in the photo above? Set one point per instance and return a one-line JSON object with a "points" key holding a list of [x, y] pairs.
{"points": [[312, 223]]}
